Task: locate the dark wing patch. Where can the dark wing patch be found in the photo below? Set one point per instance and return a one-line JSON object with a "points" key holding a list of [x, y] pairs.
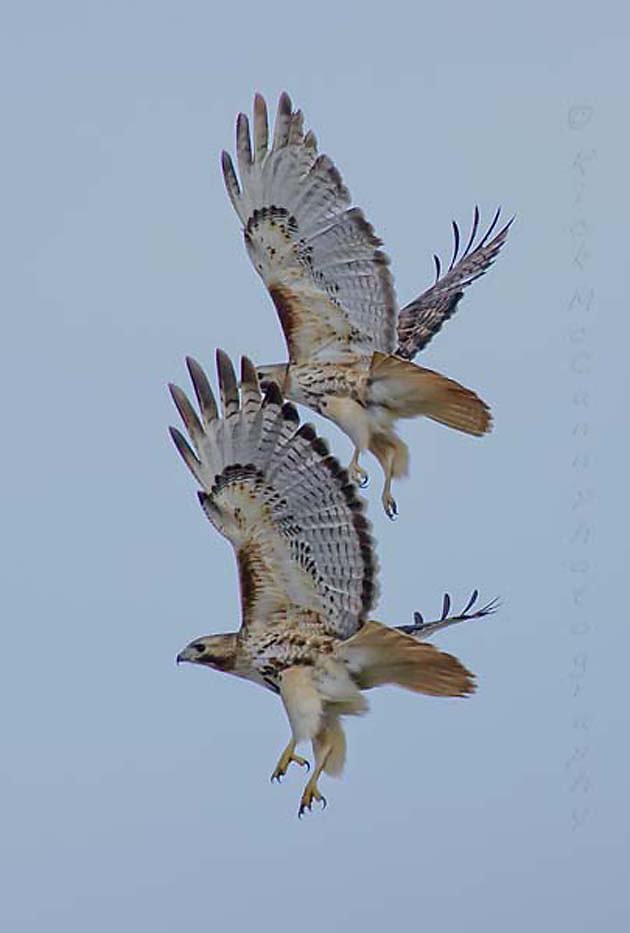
{"points": [[422, 318]]}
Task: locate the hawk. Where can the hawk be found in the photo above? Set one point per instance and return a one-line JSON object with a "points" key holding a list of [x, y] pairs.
{"points": [[349, 350], [306, 566]]}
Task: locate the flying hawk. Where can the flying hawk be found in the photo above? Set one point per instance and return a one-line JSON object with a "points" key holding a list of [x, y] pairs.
{"points": [[306, 566], [349, 349]]}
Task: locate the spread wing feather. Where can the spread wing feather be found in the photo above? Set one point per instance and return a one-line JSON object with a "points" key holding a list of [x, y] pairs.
{"points": [[318, 257], [421, 629], [302, 542], [422, 318]]}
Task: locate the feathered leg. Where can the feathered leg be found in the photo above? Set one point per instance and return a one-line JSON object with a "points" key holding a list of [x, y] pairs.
{"points": [[315, 698], [304, 708], [353, 419], [393, 456], [329, 750]]}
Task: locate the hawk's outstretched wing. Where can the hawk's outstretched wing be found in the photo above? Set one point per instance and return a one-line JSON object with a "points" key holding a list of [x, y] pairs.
{"points": [[319, 258], [422, 318], [302, 542]]}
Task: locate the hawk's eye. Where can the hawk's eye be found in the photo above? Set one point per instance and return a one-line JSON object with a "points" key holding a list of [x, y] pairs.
{"points": [[199, 648]]}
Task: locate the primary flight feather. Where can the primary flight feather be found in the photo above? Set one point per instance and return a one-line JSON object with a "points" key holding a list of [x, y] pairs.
{"points": [[349, 350]]}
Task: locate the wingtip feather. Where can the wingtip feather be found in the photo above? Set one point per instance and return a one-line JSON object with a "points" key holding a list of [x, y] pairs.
{"points": [[249, 376], [228, 386], [185, 451], [261, 127], [203, 390]]}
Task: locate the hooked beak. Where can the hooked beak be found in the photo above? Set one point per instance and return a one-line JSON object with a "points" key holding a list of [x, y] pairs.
{"points": [[185, 655]]}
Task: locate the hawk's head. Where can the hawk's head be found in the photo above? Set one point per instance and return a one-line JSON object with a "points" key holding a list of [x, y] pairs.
{"points": [[217, 651]]}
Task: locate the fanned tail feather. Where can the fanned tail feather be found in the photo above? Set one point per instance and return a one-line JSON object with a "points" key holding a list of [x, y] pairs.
{"points": [[378, 655], [408, 391]]}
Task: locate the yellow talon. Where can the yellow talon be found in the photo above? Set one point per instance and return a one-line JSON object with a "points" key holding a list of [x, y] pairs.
{"points": [[287, 756], [311, 793]]}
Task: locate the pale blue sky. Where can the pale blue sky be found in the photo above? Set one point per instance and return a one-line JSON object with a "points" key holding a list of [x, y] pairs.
{"points": [[136, 795]]}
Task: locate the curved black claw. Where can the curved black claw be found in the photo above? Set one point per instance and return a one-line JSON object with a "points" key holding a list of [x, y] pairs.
{"points": [[391, 509], [277, 775], [309, 806], [365, 482]]}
